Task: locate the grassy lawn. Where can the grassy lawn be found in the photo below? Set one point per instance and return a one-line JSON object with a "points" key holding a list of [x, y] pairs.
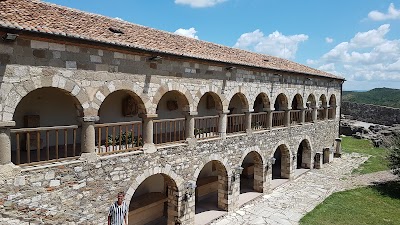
{"points": [[372, 205], [377, 160]]}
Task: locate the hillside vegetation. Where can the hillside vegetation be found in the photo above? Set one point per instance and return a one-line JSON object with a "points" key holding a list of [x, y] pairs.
{"points": [[378, 96]]}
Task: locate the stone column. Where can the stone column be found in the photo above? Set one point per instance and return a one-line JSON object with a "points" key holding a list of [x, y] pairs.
{"points": [[303, 116], [318, 160], [147, 124], [7, 168], [269, 118], [223, 120], [314, 114], [338, 150], [189, 128], [325, 113], [326, 153], [286, 120], [247, 118], [88, 139]]}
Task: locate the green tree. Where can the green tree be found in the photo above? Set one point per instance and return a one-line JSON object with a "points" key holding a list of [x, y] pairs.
{"points": [[393, 157]]}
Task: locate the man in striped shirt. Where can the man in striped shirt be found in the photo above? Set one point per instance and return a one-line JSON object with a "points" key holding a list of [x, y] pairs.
{"points": [[118, 211]]}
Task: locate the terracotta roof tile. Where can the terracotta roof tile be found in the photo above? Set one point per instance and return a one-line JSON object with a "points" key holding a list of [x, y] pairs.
{"points": [[37, 16]]}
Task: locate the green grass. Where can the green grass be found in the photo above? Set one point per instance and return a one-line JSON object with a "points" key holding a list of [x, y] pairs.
{"points": [[375, 163], [372, 205]]}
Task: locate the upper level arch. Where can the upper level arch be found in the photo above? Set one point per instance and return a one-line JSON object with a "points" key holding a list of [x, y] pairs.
{"points": [[180, 90], [261, 103], [281, 102], [238, 103], [210, 104], [297, 102]]}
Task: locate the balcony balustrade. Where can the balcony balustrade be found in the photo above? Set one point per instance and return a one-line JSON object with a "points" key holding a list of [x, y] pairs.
{"points": [[169, 130], [295, 116], [278, 118], [206, 127], [236, 123]]}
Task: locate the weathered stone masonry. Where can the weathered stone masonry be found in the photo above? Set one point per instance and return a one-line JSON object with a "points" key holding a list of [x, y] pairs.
{"points": [[87, 81], [372, 113]]}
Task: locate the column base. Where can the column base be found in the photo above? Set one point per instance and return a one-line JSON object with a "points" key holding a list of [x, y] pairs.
{"points": [[192, 142], [337, 155], [9, 170], [89, 157], [249, 131], [222, 136], [149, 148]]}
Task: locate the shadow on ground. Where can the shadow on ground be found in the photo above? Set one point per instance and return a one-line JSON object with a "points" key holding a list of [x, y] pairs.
{"points": [[390, 188]]}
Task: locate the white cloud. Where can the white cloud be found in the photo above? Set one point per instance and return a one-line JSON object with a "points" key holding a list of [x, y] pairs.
{"points": [[328, 40], [120, 19], [199, 3], [367, 57], [392, 14], [275, 44], [191, 32]]}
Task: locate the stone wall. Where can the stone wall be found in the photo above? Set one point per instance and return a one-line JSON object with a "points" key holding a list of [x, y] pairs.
{"points": [[371, 113], [81, 192]]}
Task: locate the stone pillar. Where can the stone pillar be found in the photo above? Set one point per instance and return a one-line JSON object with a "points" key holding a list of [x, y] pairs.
{"points": [[326, 109], [7, 168], [147, 124], [303, 116], [286, 120], [326, 155], [318, 160], [88, 139], [314, 114], [269, 118], [247, 118], [338, 149], [189, 128], [223, 120]]}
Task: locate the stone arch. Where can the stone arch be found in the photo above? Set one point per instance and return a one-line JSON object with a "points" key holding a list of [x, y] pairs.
{"points": [[111, 87], [215, 90], [154, 188], [283, 162], [322, 100], [212, 181], [311, 102], [252, 176], [243, 101], [118, 106], [280, 91], [281, 102], [18, 91], [150, 172], [297, 102], [212, 107], [175, 87], [212, 157], [304, 154], [237, 90], [332, 100], [261, 102]]}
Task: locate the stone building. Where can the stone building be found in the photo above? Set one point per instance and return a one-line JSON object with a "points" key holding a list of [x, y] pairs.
{"points": [[91, 105]]}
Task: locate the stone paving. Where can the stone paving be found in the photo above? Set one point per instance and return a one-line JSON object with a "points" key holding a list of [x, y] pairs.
{"points": [[288, 203]]}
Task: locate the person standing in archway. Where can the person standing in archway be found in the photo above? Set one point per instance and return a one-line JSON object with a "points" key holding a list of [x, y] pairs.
{"points": [[118, 211]]}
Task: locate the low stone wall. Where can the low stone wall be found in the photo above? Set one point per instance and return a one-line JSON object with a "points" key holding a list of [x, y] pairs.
{"points": [[81, 192], [371, 113]]}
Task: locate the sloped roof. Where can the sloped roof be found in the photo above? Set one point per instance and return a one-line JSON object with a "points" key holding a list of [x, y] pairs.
{"points": [[42, 17]]}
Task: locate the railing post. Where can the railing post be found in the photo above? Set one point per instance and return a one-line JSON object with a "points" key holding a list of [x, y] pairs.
{"points": [[7, 168], [247, 121], [314, 114], [303, 116], [147, 128], [286, 120], [189, 123], [223, 121], [88, 139]]}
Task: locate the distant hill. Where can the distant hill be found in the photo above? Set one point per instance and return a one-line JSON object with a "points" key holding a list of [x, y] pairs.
{"points": [[378, 96]]}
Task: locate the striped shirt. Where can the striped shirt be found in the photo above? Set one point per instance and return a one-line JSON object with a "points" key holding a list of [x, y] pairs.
{"points": [[117, 213]]}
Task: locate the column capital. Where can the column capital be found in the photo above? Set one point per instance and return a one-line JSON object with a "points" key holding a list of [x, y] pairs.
{"points": [[224, 112], [4, 124], [148, 116], [188, 113], [248, 110], [90, 119]]}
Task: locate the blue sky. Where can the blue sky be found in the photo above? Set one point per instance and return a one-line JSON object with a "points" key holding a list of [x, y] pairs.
{"points": [[356, 39]]}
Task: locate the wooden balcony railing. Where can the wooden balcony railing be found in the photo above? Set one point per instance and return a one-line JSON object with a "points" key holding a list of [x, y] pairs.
{"points": [[206, 127], [331, 113], [169, 130], [259, 121], [118, 137], [295, 116], [236, 123], [44, 144], [308, 116], [278, 118], [321, 114]]}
